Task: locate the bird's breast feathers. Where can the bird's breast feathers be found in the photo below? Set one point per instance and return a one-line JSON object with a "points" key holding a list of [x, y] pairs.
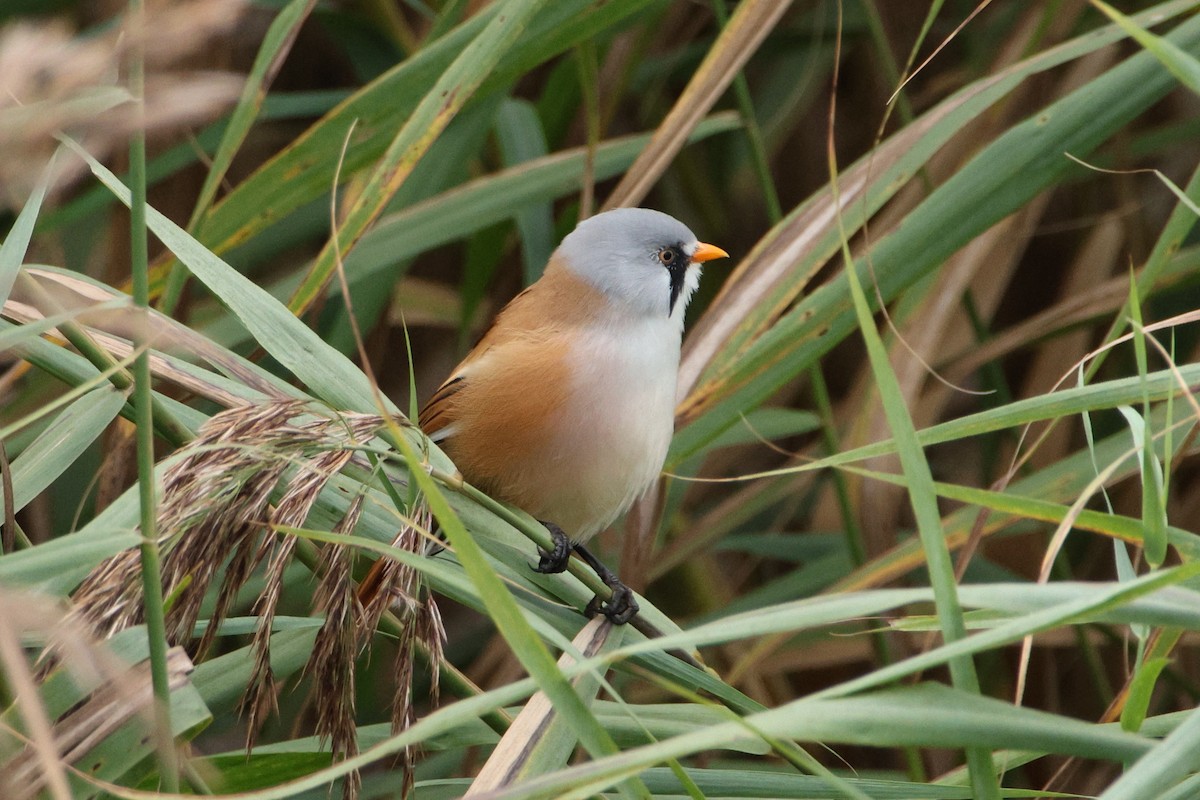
{"points": [[570, 421]]}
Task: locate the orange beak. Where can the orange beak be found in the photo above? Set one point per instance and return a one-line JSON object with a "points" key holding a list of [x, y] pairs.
{"points": [[707, 252]]}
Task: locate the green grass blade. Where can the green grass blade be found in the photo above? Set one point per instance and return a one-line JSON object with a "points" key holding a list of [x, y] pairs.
{"points": [[793, 251], [1159, 770], [274, 48], [1181, 64], [923, 498], [1000, 179], [57, 566], [455, 214], [326, 372], [68, 436], [440, 104], [304, 171], [458, 213], [1141, 688], [143, 397], [507, 616], [1154, 507], [521, 138], [12, 251], [276, 44], [1076, 400]]}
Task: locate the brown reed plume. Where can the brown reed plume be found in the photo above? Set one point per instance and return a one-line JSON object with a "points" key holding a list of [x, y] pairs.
{"points": [[228, 499]]}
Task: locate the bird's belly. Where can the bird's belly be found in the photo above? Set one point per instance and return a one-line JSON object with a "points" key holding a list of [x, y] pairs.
{"points": [[612, 436]]}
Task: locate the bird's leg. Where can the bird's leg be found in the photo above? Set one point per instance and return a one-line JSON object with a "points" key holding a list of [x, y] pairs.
{"points": [[557, 559], [621, 607]]}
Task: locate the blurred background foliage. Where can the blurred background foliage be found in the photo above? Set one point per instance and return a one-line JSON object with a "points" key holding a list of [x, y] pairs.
{"points": [[997, 202]]}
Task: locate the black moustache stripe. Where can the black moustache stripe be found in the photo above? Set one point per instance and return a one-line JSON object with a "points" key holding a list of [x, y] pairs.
{"points": [[677, 271]]}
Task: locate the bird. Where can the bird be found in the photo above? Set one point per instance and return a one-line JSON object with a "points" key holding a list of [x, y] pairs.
{"points": [[566, 406]]}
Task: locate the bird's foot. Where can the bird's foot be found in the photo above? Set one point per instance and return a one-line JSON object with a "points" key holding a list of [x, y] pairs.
{"points": [[555, 560], [621, 606]]}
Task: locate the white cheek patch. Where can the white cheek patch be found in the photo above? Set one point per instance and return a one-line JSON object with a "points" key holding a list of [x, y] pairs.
{"points": [[691, 281]]}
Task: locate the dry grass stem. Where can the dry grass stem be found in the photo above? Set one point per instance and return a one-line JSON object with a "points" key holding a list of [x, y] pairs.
{"points": [[40, 744], [53, 81]]}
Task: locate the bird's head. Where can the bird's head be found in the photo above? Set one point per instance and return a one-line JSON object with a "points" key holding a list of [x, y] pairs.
{"points": [[646, 261]]}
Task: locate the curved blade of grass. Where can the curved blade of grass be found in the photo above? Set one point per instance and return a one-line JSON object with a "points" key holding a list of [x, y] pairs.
{"points": [[120, 753], [326, 372], [739, 39], [12, 251], [72, 432], [290, 106], [539, 740], [1163, 767], [1001, 178], [1154, 517], [304, 171], [431, 116], [1141, 687], [787, 617], [750, 782], [20, 334], [222, 680], [271, 53], [768, 280], [455, 214], [923, 715], [1166, 247], [1061, 481], [1075, 400], [1018, 506], [521, 138], [509, 620], [56, 566], [1182, 65], [922, 497]]}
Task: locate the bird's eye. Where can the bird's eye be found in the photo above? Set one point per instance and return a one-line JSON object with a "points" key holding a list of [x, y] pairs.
{"points": [[667, 256]]}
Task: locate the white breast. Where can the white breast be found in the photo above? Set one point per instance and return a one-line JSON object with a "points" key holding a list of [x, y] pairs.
{"points": [[620, 422]]}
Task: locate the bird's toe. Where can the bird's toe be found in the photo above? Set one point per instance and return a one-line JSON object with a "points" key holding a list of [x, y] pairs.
{"points": [[555, 560]]}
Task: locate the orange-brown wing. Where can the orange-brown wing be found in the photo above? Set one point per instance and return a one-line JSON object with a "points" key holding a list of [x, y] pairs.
{"points": [[532, 324], [550, 304]]}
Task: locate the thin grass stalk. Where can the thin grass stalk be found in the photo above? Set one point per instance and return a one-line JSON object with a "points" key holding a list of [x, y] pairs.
{"points": [[829, 437], [922, 493], [456, 85], [276, 45], [739, 40], [887, 59], [758, 151], [152, 597], [923, 497], [589, 85], [1177, 228], [8, 535]]}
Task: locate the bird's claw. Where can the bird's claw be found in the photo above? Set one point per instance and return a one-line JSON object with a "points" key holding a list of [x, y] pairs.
{"points": [[619, 608], [556, 560]]}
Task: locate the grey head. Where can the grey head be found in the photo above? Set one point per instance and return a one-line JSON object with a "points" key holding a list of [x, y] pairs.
{"points": [[644, 260]]}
